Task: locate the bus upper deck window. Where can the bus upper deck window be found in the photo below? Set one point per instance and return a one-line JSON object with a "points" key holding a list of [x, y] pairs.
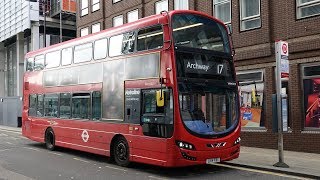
{"points": [[30, 64], [39, 63], [150, 38]]}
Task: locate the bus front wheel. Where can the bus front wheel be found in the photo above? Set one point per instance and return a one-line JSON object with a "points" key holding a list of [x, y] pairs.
{"points": [[50, 139], [121, 152]]}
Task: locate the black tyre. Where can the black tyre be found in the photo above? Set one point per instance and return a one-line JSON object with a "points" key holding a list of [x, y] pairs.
{"points": [[121, 152], [50, 139]]}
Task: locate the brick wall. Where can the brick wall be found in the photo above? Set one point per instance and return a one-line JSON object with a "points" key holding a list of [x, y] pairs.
{"points": [[254, 50]]}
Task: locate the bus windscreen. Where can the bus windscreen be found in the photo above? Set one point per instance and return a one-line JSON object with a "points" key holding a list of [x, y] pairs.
{"points": [[199, 32]]}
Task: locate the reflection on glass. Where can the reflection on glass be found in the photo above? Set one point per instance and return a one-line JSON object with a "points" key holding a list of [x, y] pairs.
{"points": [[65, 105], [199, 32], [51, 105], [39, 62], [81, 106], [311, 89]]}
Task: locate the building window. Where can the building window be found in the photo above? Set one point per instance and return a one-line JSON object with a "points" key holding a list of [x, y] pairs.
{"points": [[311, 92], [251, 85], [250, 14], [84, 31], [307, 8], [161, 6], [115, 1], [133, 15], [117, 21], [222, 10], [181, 4], [95, 28], [84, 7], [95, 5]]}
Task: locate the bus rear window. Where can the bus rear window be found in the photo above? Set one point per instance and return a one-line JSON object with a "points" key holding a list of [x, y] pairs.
{"points": [[150, 38]]}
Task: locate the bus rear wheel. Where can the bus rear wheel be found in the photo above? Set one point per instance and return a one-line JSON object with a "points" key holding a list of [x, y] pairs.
{"points": [[50, 139], [121, 152]]}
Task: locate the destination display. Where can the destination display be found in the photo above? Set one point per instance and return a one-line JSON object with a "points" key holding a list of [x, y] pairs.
{"points": [[208, 67]]}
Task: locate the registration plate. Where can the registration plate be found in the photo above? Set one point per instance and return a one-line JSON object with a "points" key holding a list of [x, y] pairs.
{"points": [[213, 160]]}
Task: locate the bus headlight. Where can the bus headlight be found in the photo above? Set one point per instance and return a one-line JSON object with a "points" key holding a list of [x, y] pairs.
{"points": [[237, 141], [185, 145]]}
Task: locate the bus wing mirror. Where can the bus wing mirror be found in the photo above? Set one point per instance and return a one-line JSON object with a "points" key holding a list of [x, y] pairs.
{"points": [[160, 98]]}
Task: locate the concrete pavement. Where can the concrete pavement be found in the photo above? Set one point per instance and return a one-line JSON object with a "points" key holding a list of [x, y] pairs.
{"points": [[300, 164]]}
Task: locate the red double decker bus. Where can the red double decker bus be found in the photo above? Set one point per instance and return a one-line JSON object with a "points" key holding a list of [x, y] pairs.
{"points": [[160, 91]]}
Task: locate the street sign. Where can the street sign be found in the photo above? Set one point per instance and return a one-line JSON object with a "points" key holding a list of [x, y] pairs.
{"points": [[282, 53]]}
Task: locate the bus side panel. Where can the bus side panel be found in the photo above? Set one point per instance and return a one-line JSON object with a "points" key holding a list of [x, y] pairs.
{"points": [[146, 149]]}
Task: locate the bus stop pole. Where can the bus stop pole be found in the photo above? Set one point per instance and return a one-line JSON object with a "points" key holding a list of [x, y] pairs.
{"points": [[279, 109]]}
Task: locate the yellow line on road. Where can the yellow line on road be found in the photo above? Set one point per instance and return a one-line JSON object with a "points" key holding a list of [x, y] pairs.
{"points": [[261, 171]]}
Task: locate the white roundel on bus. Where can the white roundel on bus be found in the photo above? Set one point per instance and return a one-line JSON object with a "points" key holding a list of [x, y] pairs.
{"points": [[85, 136]]}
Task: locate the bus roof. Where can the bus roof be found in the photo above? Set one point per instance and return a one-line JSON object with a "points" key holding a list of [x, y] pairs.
{"points": [[143, 22]]}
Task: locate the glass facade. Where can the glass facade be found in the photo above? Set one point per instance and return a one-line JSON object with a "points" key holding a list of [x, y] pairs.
{"points": [[251, 87]]}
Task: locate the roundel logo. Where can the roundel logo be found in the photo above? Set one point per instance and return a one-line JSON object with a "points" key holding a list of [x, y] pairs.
{"points": [[284, 48], [85, 136]]}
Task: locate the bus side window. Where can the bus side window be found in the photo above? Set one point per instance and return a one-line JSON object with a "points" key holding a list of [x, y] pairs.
{"points": [[82, 53], [51, 105], [150, 38], [115, 45], [100, 49], [66, 56], [39, 63], [32, 104], [81, 106], [53, 59], [128, 42], [40, 105], [65, 105], [96, 105], [30, 64]]}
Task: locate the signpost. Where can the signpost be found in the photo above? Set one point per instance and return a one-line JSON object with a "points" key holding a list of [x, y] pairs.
{"points": [[282, 71]]}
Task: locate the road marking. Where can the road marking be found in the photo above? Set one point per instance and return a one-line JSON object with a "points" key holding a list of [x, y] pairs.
{"points": [[261, 171], [9, 143], [55, 153], [2, 150], [16, 132], [32, 149], [120, 169], [154, 177], [81, 160]]}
